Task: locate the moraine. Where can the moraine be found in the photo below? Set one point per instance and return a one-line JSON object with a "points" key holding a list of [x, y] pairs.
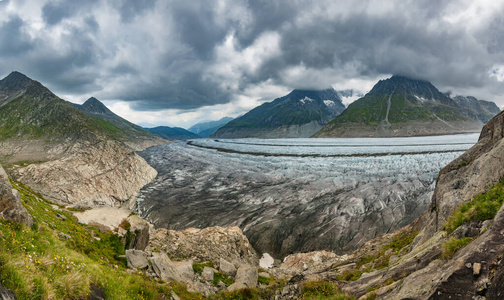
{"points": [[297, 195]]}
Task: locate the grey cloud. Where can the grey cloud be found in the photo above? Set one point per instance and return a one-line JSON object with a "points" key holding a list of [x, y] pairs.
{"points": [[14, 40], [170, 65]]}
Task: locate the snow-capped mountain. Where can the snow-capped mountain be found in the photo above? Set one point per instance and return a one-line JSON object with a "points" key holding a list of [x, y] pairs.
{"points": [[301, 113]]}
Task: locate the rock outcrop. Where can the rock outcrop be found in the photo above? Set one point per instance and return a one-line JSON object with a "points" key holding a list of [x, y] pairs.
{"points": [[106, 173], [208, 244], [10, 202]]}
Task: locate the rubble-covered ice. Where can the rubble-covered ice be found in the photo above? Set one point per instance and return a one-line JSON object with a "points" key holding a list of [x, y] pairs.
{"points": [[308, 196]]}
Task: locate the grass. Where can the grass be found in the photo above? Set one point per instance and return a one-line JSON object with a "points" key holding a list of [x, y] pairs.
{"points": [[35, 263], [264, 280], [323, 290], [483, 207], [228, 280], [452, 245], [381, 259]]}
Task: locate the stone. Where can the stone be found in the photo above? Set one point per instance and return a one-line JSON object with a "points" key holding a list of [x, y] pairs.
{"points": [[264, 274], [139, 232], [266, 261], [10, 202], [247, 275], [236, 286], [227, 267], [136, 259], [174, 296], [62, 217], [6, 294], [208, 273], [167, 269], [63, 236], [221, 285], [476, 269]]}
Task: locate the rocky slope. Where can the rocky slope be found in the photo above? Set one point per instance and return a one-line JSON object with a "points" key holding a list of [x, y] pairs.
{"points": [[400, 106], [298, 114], [132, 135], [61, 152]]}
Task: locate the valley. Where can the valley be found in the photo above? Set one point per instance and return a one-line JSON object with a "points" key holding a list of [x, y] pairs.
{"points": [[297, 195]]}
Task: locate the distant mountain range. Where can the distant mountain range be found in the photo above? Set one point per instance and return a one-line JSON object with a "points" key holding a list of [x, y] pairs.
{"points": [[301, 113], [132, 135], [205, 129], [401, 106], [173, 133]]}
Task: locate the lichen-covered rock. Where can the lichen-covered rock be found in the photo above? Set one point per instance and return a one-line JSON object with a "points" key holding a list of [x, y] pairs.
{"points": [[307, 263], [136, 259], [208, 244], [226, 267], [167, 269], [247, 275], [10, 202]]}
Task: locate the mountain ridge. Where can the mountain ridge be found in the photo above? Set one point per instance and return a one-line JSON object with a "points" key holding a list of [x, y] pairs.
{"points": [[298, 114], [400, 106], [134, 136]]}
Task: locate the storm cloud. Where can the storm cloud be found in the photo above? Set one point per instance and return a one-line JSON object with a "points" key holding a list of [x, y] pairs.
{"points": [[189, 55]]}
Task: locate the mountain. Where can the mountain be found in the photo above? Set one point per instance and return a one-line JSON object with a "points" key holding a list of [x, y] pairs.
{"points": [[205, 129], [132, 135], [173, 133], [478, 109], [401, 106], [298, 114], [53, 147]]}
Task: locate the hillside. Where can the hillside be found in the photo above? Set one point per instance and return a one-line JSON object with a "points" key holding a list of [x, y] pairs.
{"points": [[130, 134], [400, 106], [301, 113], [205, 129], [173, 133], [56, 149]]}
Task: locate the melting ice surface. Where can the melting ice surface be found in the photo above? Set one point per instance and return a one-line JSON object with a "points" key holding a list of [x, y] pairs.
{"points": [[297, 195]]}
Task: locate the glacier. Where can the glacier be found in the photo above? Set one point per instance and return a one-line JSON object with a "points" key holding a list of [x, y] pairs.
{"points": [[297, 195]]}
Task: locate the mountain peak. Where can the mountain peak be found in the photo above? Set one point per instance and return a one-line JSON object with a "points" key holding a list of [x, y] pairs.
{"points": [[15, 81], [94, 105]]}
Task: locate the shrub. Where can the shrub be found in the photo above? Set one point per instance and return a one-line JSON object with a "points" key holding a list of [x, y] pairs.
{"points": [[484, 207]]}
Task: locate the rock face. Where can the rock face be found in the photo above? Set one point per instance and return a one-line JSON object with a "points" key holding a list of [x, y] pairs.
{"points": [[10, 202], [106, 173], [401, 106], [478, 109], [167, 269], [471, 174], [70, 157], [298, 114], [208, 244]]}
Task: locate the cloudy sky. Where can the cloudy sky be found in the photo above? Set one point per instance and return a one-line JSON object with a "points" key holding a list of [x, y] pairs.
{"points": [[175, 63]]}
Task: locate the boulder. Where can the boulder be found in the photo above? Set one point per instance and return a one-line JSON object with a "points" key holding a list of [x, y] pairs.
{"points": [[139, 233], [10, 202], [247, 275], [167, 269], [236, 286], [208, 273], [226, 267], [207, 244], [6, 294], [136, 259]]}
